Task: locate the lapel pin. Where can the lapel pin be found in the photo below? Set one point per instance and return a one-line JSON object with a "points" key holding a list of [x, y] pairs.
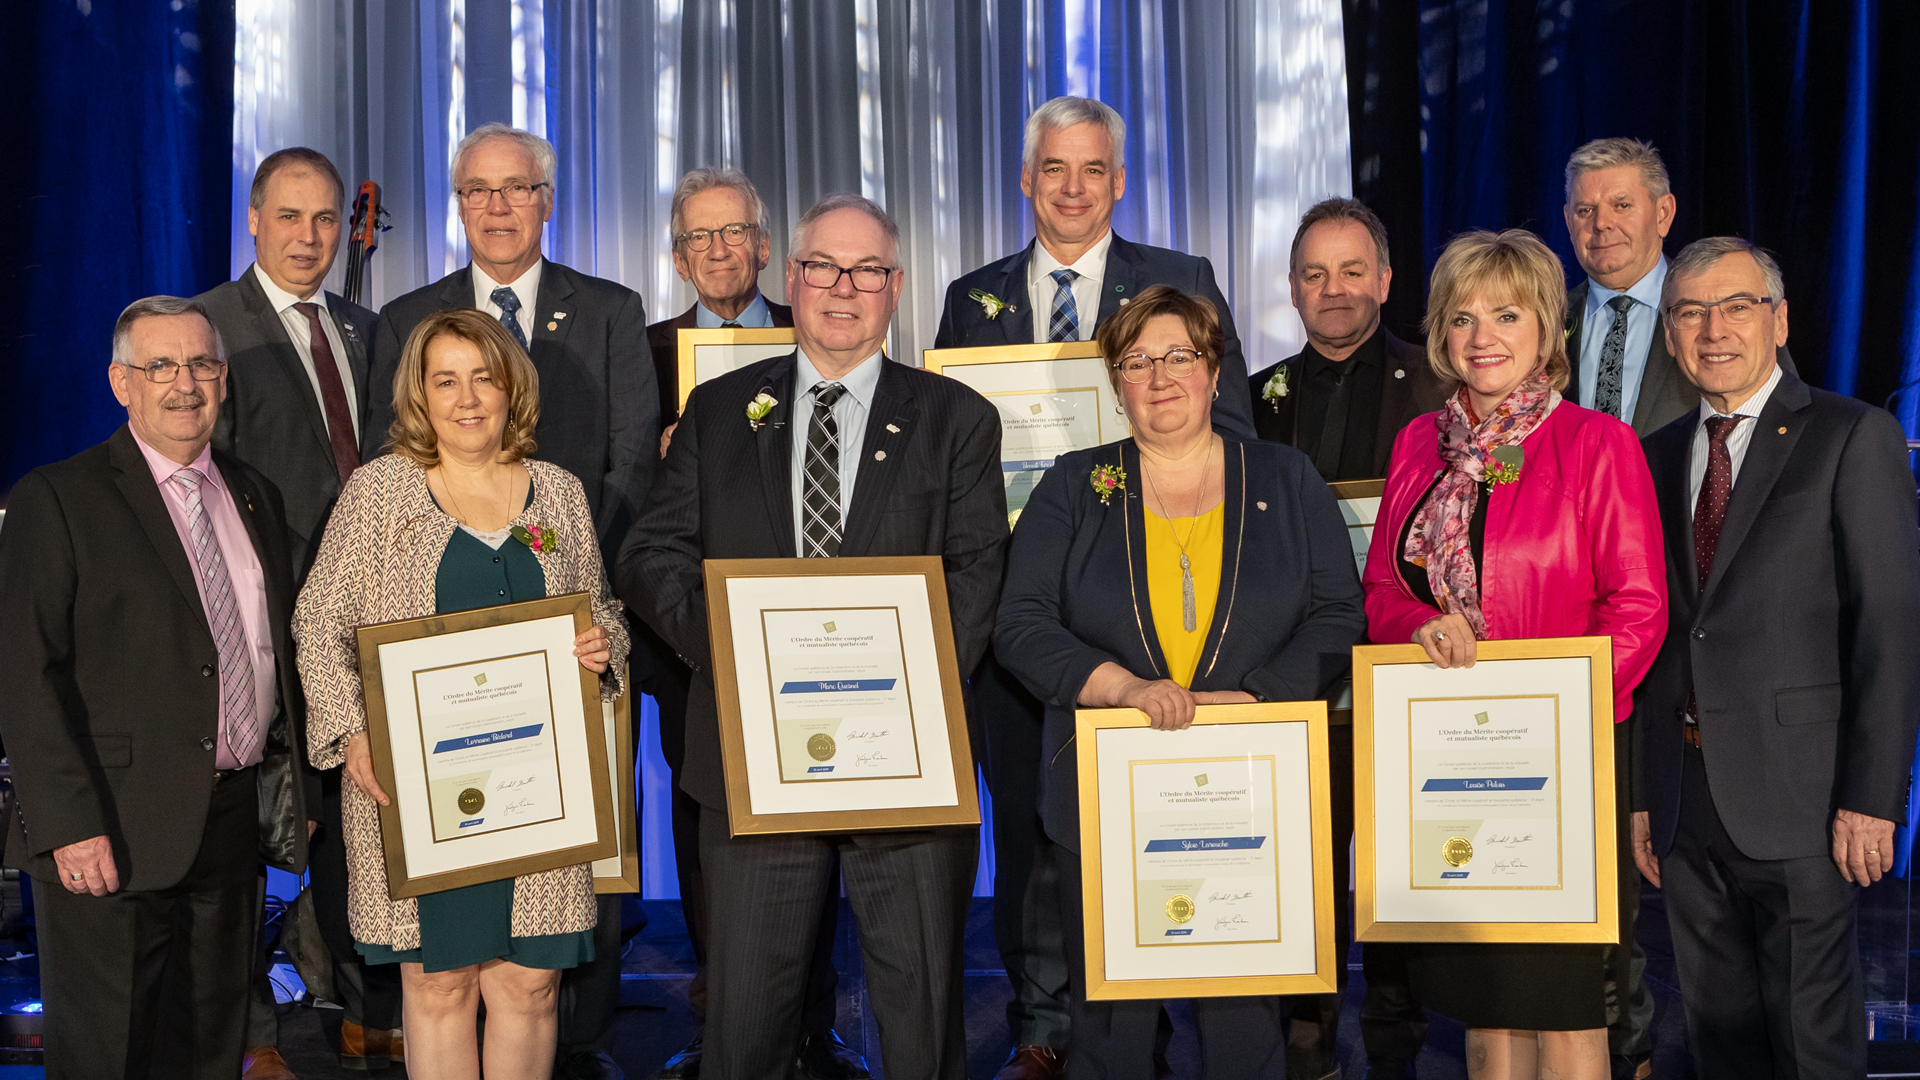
{"points": [[559, 314], [553, 326], [1261, 505], [1125, 301], [1783, 429], [893, 429], [879, 455], [1399, 373]]}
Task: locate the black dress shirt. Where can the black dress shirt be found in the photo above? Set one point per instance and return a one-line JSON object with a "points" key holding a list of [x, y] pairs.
{"points": [[1349, 389]]}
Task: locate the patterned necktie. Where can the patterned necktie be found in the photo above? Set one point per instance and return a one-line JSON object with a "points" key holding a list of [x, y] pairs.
{"points": [[1065, 324], [1613, 359], [508, 303], [1710, 510], [223, 617], [333, 395], [821, 524]]}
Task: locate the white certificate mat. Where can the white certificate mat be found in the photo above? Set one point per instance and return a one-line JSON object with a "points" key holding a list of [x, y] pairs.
{"points": [[620, 873], [1206, 853], [839, 695], [1359, 506], [709, 354], [1485, 794]]}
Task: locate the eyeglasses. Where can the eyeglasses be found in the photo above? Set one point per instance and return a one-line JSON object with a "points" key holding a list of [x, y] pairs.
{"points": [[826, 275], [477, 197], [1138, 367], [166, 371], [734, 234], [1690, 314]]}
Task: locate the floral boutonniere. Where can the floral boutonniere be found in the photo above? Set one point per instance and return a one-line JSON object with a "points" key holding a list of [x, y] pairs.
{"points": [[758, 408], [1277, 386], [1506, 464], [1108, 480], [990, 303], [540, 538]]}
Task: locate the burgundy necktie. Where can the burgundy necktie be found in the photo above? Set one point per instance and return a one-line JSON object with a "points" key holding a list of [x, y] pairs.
{"points": [[1710, 509], [333, 395]]}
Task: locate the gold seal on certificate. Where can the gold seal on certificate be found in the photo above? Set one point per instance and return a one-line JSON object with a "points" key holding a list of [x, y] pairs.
{"points": [[1457, 851], [1180, 909], [471, 800], [820, 747]]}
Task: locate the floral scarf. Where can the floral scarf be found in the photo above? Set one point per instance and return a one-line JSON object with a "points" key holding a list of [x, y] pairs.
{"points": [[1439, 540]]}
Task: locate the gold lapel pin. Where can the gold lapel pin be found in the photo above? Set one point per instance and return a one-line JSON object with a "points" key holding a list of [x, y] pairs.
{"points": [[1261, 505], [553, 326], [1783, 429], [879, 455], [893, 429]]}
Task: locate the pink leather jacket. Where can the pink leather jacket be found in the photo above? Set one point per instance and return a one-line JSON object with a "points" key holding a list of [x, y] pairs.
{"points": [[1572, 548]]}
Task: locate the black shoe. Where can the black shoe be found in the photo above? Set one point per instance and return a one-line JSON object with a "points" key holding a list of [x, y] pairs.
{"points": [[1389, 1070], [825, 1057], [1632, 1066], [587, 1065], [684, 1065]]}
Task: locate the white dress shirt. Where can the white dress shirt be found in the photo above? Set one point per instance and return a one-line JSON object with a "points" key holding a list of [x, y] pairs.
{"points": [[1092, 268], [301, 331], [1737, 440], [1643, 321], [527, 288], [849, 414]]}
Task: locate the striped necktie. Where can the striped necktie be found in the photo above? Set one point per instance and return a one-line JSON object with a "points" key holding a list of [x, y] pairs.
{"points": [[239, 727], [1065, 324], [821, 524]]}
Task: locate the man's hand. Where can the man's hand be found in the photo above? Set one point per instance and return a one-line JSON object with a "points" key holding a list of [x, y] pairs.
{"points": [[1862, 846], [666, 438], [360, 768], [87, 867], [1643, 856]]}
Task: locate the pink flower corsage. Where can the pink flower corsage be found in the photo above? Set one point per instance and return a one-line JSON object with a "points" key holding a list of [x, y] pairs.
{"points": [[541, 539]]}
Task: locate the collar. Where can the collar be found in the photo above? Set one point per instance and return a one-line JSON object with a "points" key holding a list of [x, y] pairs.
{"points": [[755, 315], [1091, 264], [280, 298], [861, 382], [1645, 291], [527, 282], [1751, 406], [1371, 352], [163, 467]]}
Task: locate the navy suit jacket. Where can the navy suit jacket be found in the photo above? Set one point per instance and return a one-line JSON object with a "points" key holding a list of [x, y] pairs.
{"points": [[1130, 268], [1803, 649], [1288, 613]]}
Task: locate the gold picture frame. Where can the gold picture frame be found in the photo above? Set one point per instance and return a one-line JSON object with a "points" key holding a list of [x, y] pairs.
{"points": [[1593, 696], [1102, 983], [745, 346], [932, 796], [621, 872]]}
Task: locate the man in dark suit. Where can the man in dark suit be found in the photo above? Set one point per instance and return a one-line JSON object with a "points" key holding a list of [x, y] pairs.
{"points": [[296, 391], [153, 715], [896, 461], [599, 420], [1773, 736], [720, 245]]}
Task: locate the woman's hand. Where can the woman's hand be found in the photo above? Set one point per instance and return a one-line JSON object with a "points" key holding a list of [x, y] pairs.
{"points": [[1448, 640], [1223, 697], [593, 650], [1168, 705], [360, 769]]}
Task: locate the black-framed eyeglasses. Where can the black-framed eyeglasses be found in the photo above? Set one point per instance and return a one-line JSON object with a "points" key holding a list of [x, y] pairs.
{"points": [[1690, 314], [517, 194], [734, 233], [166, 371], [1138, 367], [825, 275]]}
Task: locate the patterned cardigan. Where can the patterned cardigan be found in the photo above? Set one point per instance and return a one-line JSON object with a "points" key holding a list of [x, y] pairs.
{"points": [[376, 564]]}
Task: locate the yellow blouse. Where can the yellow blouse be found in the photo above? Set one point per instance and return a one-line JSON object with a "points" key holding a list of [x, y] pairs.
{"points": [[1164, 586]]}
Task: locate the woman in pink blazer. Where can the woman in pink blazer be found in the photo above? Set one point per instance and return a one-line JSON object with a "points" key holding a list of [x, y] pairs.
{"points": [[1513, 513]]}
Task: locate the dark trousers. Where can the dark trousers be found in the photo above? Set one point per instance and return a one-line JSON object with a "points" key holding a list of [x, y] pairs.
{"points": [[155, 983], [909, 892], [1629, 1002], [1026, 873], [1766, 949], [263, 1014], [1241, 1038], [1324, 1009], [369, 993]]}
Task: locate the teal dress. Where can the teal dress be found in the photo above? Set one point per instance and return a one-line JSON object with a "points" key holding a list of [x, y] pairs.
{"points": [[471, 925]]}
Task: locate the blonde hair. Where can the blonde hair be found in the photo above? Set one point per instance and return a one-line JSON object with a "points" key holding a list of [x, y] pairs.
{"points": [[1515, 267], [412, 435]]}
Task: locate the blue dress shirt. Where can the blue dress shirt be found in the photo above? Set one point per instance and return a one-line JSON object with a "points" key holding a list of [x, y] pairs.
{"points": [[850, 413], [1643, 321], [754, 316]]}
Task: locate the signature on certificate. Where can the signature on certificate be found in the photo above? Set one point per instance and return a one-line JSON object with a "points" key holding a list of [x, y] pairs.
{"points": [[509, 785], [871, 757], [1508, 866], [860, 735], [1508, 840], [1228, 897], [516, 807], [1229, 922]]}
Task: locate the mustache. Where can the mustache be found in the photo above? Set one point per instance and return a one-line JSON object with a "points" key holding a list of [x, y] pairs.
{"points": [[193, 400]]}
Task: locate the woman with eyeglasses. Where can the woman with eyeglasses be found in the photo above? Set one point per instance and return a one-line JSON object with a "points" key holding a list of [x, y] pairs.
{"points": [[1174, 569]]}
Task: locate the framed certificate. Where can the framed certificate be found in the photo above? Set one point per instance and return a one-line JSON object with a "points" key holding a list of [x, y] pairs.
{"points": [[839, 695], [1359, 505], [487, 734], [1053, 399], [1484, 797], [1206, 855], [620, 873], [709, 354]]}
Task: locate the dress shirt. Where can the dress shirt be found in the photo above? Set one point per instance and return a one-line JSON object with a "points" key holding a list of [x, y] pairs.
{"points": [[527, 288], [1092, 268], [754, 316], [1643, 321], [850, 413], [243, 569], [1737, 440], [1364, 369], [301, 332]]}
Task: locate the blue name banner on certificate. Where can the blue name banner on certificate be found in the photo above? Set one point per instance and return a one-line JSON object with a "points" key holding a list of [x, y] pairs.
{"points": [[1027, 465], [468, 742], [1492, 783], [1214, 843], [838, 686]]}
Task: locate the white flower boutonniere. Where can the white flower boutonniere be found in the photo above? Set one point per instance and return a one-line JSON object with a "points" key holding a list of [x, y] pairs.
{"points": [[990, 303], [758, 408], [1276, 387]]}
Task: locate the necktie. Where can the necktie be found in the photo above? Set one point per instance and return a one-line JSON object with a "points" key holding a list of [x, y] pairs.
{"points": [[821, 523], [333, 395], [1613, 359], [1710, 510], [1065, 324], [1333, 431], [508, 303], [729, 325], [239, 729]]}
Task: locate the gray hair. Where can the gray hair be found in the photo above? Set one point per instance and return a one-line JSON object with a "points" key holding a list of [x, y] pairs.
{"points": [[845, 201], [1339, 209], [1701, 256], [155, 306], [707, 179], [542, 150], [1613, 153], [1064, 112]]}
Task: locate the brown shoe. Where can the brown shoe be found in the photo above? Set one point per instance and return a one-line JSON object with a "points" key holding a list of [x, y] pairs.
{"points": [[1033, 1063], [265, 1063], [366, 1049]]}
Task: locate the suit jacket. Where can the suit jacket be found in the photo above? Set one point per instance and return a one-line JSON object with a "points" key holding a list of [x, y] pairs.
{"points": [[725, 493], [272, 419], [663, 338], [599, 417], [1408, 388], [1665, 392], [111, 705], [1287, 616], [1803, 649], [1130, 268]]}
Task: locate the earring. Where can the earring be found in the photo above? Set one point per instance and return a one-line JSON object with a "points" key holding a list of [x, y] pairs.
{"points": [[1216, 393], [1119, 409]]}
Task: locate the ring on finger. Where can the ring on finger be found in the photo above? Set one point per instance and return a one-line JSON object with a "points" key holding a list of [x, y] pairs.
{"points": [[1438, 636]]}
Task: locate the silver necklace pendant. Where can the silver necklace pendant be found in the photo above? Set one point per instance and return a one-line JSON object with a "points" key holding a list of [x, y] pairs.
{"points": [[1186, 593]]}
